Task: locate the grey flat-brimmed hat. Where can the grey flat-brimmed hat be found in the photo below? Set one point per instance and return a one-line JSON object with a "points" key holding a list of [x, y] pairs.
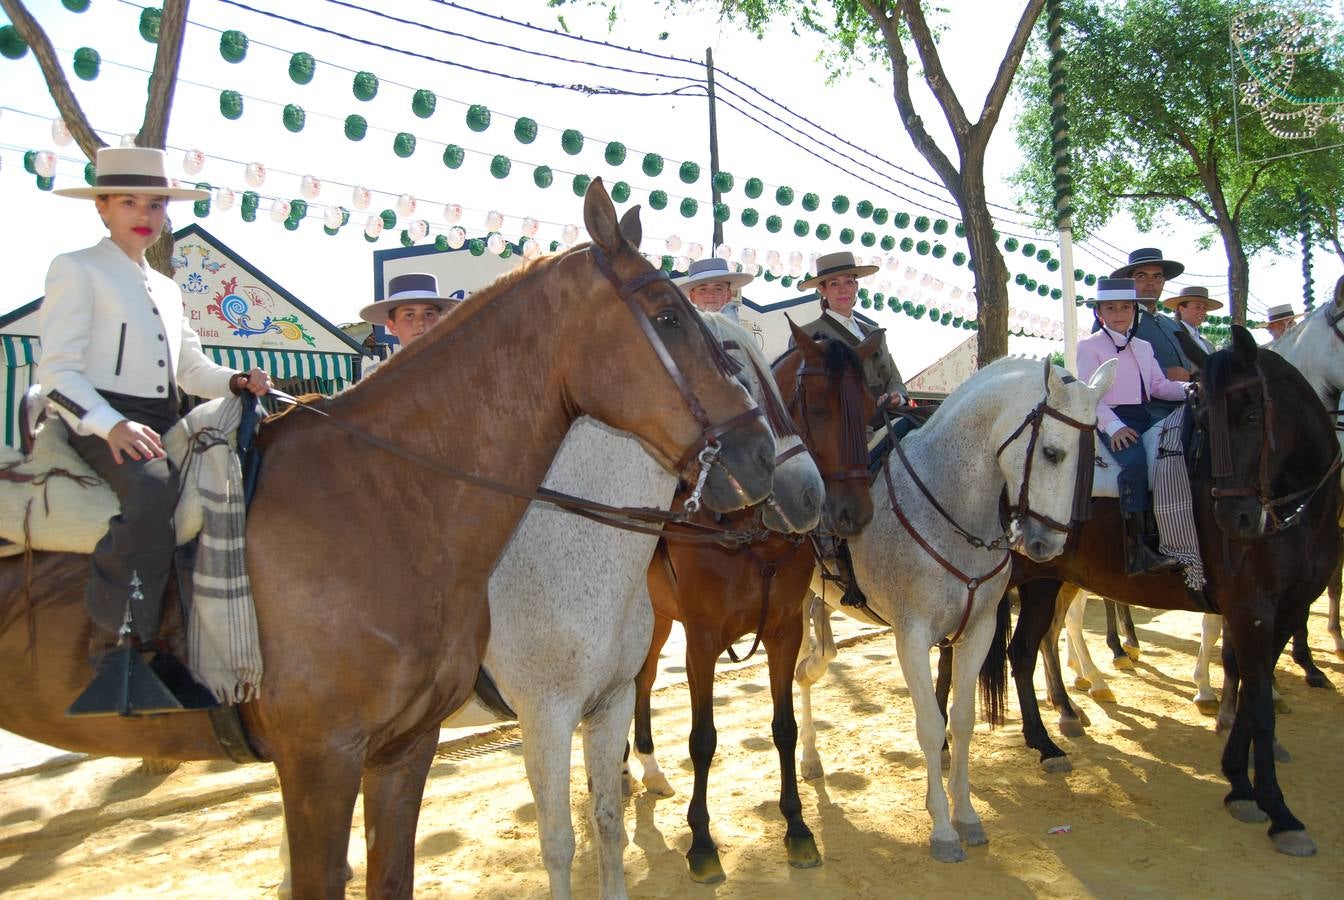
{"points": [[1279, 313], [416, 287], [1193, 292], [705, 271], [832, 264], [1149, 256], [132, 170], [1114, 289]]}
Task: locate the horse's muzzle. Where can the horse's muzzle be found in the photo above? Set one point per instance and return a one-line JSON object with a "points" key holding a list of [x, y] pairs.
{"points": [[743, 473]]}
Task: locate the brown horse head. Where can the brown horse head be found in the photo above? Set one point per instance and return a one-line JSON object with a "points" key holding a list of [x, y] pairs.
{"points": [[823, 386]]}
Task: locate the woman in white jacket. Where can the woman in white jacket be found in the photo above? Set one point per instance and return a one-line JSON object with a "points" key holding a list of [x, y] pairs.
{"points": [[116, 351]]}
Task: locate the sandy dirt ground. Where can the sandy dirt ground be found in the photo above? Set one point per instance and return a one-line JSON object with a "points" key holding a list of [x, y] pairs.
{"points": [[1143, 804]]}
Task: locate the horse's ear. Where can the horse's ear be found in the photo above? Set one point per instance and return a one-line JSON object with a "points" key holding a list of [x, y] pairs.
{"points": [[1244, 345], [869, 346], [1101, 380], [631, 230], [1191, 349], [599, 216], [1339, 296], [812, 353]]}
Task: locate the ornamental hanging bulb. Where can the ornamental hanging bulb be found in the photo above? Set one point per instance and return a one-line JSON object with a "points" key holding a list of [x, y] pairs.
{"points": [[417, 230], [796, 259], [128, 139], [279, 210], [255, 174], [494, 220], [405, 206], [777, 269], [60, 132], [452, 213], [724, 252], [225, 198], [310, 186], [333, 217], [193, 161], [748, 257], [892, 263], [457, 237], [695, 250], [531, 249], [570, 234], [44, 163], [673, 243], [910, 273], [373, 226], [359, 198], [495, 243], [530, 228], [682, 264]]}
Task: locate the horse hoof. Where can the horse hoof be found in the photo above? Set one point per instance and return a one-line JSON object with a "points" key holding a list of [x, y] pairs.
{"points": [[946, 851], [1294, 843], [1317, 679], [973, 833], [1071, 728], [1207, 707], [1081, 683], [1281, 707], [149, 766], [1246, 811], [1102, 694], [705, 866], [1281, 754], [1132, 651], [1339, 652], [803, 852], [1057, 765], [658, 785], [811, 769], [1124, 663]]}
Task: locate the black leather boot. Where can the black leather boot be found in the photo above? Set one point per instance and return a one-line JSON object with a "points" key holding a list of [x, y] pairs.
{"points": [[853, 596], [1140, 557]]}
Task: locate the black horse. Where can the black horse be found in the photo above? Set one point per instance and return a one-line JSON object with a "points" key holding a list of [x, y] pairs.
{"points": [[1266, 498]]}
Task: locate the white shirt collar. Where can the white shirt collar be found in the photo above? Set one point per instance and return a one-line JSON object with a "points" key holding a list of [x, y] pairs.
{"points": [[848, 321], [1116, 336]]}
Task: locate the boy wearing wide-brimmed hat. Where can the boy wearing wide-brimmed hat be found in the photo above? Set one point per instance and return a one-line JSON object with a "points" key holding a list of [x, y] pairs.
{"points": [[711, 285], [1279, 318], [1124, 414], [1151, 272], [117, 352], [1191, 307], [412, 306]]}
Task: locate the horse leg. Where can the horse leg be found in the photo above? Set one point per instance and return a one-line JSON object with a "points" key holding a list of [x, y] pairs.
{"points": [[318, 790], [393, 791], [1119, 658], [703, 856], [1091, 679], [1129, 635], [655, 782], [811, 666], [285, 890], [942, 687], [547, 733], [931, 728], [1211, 628], [604, 732], [782, 643], [966, 665], [1033, 622], [1334, 589], [1072, 720], [1302, 656]]}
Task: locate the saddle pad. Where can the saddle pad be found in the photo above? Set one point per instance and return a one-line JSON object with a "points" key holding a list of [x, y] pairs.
{"points": [[1106, 474]]}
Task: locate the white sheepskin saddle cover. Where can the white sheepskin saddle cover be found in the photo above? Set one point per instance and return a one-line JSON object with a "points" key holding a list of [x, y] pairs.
{"points": [[59, 503], [1106, 474]]}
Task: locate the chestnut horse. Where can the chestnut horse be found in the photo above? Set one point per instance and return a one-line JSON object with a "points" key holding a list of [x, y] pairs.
{"points": [[1270, 539], [720, 594], [373, 615]]}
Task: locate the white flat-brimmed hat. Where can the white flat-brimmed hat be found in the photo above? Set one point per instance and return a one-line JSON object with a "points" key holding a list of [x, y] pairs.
{"points": [[832, 264], [1149, 256], [1193, 292], [132, 170], [415, 287], [1114, 289], [1279, 313], [705, 271]]}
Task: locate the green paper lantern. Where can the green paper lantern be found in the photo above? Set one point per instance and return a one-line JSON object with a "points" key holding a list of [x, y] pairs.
{"points": [[689, 207], [868, 239], [372, 239], [294, 117], [923, 248], [801, 228], [773, 224], [620, 192], [1089, 279], [542, 176], [811, 202], [150, 22], [90, 174], [1020, 279], [30, 162], [939, 251], [365, 86], [658, 199], [839, 204], [298, 208], [1077, 274], [667, 263], [555, 245], [958, 258], [959, 230], [45, 182], [957, 321], [424, 102], [1056, 294], [1043, 255], [614, 154], [292, 224], [230, 104], [865, 303], [389, 219], [571, 141], [580, 184], [406, 238], [1043, 290], [525, 130], [783, 195], [441, 243], [864, 209], [478, 117], [75, 6], [453, 156], [750, 217], [723, 182], [907, 244], [921, 223], [721, 212], [888, 243], [1052, 265], [356, 126], [403, 144], [1010, 245], [652, 165], [753, 188], [846, 235], [476, 246], [908, 308], [970, 265], [12, 45], [87, 63], [880, 215], [233, 46], [940, 226], [201, 208], [689, 172], [995, 233], [768, 276], [302, 66], [500, 166], [1028, 249], [250, 201], [902, 220], [823, 232]]}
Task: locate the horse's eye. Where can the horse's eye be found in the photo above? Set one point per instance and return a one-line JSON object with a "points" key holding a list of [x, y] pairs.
{"points": [[1052, 455], [668, 318], [817, 412]]}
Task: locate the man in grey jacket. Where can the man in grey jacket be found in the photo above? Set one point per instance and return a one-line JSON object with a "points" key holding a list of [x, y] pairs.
{"points": [[1151, 273]]}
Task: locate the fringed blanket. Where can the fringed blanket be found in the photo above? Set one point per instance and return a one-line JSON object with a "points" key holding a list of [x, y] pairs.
{"points": [[1172, 504]]}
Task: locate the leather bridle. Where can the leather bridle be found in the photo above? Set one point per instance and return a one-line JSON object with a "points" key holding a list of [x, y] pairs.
{"points": [[853, 451]]}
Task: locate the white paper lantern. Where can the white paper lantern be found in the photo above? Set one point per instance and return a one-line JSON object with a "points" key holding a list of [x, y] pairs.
{"points": [[373, 225], [530, 227], [748, 257], [494, 220], [495, 244], [310, 186], [279, 210], [777, 268], [772, 260], [884, 287], [531, 249], [938, 284], [405, 206], [796, 259], [570, 234], [359, 198], [225, 198], [723, 251], [44, 163], [893, 264], [956, 293], [452, 213], [695, 250], [193, 161], [910, 273], [875, 261], [333, 217], [682, 263], [673, 243], [255, 174], [417, 230], [60, 132], [128, 139], [926, 280], [457, 237]]}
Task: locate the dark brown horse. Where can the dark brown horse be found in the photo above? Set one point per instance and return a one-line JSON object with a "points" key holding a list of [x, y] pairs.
{"points": [[373, 616], [1266, 499], [720, 595]]}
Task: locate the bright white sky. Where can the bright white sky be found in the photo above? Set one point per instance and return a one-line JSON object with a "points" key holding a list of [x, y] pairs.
{"points": [[334, 274]]}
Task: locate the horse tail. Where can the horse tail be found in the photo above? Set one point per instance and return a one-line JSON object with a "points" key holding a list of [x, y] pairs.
{"points": [[994, 671]]}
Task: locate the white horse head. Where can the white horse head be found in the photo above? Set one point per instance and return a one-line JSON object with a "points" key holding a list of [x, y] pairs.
{"points": [[1316, 350], [794, 505]]}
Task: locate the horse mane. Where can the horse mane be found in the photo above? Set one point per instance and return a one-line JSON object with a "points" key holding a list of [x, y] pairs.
{"points": [[840, 357], [725, 328], [1005, 367]]}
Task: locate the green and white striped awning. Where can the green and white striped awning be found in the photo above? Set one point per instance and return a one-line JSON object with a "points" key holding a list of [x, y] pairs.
{"points": [[19, 350], [287, 363]]}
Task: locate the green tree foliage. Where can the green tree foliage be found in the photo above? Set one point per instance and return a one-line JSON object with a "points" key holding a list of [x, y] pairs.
{"points": [[1156, 126]]}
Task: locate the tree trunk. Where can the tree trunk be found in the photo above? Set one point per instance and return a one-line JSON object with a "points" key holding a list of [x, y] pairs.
{"points": [[1238, 272], [991, 275]]}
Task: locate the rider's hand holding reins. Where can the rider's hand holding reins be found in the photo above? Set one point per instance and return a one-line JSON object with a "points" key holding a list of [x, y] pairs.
{"points": [[254, 381], [134, 441], [1123, 438]]}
